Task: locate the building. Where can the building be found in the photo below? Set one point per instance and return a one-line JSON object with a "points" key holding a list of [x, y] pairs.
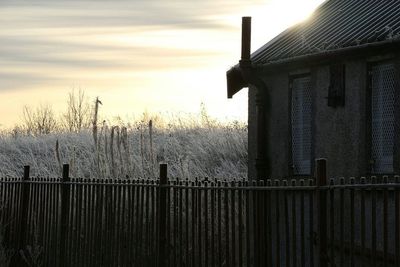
{"points": [[327, 87]]}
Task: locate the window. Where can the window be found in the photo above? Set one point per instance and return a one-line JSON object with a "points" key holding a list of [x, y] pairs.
{"points": [[301, 125], [336, 92], [382, 81]]}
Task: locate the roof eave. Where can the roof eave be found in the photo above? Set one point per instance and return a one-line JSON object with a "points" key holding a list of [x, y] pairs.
{"points": [[236, 81], [329, 54]]}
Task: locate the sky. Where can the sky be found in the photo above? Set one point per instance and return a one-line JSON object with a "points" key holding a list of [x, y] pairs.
{"points": [[137, 56]]}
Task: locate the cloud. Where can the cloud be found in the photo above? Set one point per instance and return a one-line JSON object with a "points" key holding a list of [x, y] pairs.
{"points": [[187, 14], [11, 81], [28, 52], [96, 35], [135, 53]]}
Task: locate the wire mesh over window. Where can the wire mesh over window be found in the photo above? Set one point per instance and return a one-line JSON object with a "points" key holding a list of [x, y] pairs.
{"points": [[301, 125], [382, 117]]}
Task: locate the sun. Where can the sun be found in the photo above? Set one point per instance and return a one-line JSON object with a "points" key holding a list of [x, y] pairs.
{"points": [[270, 19]]}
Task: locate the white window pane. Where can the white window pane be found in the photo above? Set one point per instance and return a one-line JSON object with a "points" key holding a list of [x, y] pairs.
{"points": [[301, 125], [382, 117]]}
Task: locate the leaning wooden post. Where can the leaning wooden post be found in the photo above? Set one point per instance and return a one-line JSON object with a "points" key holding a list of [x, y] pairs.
{"points": [[24, 208], [65, 193], [162, 224], [322, 213]]}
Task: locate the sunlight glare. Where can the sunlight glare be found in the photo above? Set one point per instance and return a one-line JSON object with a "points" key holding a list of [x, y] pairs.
{"points": [[276, 16]]}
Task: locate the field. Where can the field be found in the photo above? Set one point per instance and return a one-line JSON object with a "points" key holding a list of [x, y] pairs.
{"points": [[192, 146]]}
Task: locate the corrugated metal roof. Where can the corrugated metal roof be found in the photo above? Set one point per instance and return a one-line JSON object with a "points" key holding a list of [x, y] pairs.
{"points": [[335, 24]]}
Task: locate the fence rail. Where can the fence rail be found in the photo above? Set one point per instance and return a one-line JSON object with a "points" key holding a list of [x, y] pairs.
{"points": [[307, 222]]}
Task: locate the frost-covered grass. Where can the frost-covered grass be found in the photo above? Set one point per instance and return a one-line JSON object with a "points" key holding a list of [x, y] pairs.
{"points": [[191, 148]]}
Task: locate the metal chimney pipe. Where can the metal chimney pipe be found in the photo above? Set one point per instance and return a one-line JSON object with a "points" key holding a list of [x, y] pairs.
{"points": [[246, 38]]}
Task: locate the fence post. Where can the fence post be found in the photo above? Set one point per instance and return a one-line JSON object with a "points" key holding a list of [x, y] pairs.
{"points": [[17, 260], [24, 208], [65, 193], [162, 224], [322, 213]]}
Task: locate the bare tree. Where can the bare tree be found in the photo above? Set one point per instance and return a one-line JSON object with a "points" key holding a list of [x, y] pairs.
{"points": [[77, 116], [40, 120]]}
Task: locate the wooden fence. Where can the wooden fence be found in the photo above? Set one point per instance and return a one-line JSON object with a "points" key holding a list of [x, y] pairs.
{"points": [[306, 222]]}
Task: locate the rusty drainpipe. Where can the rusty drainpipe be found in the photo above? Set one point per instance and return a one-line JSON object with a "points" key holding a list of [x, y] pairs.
{"points": [[249, 73]]}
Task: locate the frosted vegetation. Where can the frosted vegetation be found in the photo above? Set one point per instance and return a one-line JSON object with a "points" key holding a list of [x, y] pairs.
{"points": [[192, 145]]}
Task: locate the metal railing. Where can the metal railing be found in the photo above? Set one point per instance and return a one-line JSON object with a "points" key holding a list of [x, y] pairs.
{"points": [[307, 222]]}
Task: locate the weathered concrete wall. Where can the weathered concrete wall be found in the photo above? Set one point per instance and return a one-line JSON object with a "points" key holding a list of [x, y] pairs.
{"points": [[339, 133], [252, 134], [278, 126]]}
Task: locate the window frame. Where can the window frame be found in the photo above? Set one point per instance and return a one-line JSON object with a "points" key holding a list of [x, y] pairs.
{"points": [[369, 160], [290, 138]]}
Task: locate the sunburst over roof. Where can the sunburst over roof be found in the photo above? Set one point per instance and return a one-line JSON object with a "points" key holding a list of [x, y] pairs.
{"points": [[335, 24]]}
